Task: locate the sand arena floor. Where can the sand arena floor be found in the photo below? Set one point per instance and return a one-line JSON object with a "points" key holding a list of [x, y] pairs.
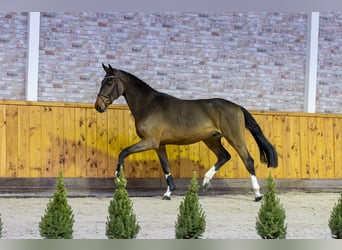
{"points": [[227, 216]]}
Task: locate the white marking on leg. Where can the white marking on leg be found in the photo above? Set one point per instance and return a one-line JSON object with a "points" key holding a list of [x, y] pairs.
{"points": [[208, 176], [167, 193], [256, 186], [167, 175]]}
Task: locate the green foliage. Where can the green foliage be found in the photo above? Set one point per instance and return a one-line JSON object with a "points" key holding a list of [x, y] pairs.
{"points": [[121, 222], [58, 221], [190, 223], [335, 221], [271, 217]]}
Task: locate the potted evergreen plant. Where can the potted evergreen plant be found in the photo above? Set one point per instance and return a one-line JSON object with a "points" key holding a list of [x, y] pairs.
{"points": [[190, 222], [58, 221], [121, 221], [271, 217], [335, 220]]}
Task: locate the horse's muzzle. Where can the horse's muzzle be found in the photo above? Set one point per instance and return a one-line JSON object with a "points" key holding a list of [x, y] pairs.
{"points": [[100, 105], [99, 109]]}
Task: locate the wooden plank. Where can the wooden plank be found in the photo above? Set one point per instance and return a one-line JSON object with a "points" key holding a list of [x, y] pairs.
{"points": [[23, 141], [102, 143], [174, 159], [329, 168], [295, 147], [304, 146], [291, 155], [184, 162], [312, 142], [80, 143], [194, 154], [69, 147], [278, 123], [56, 128], [113, 144], [3, 139], [12, 141], [338, 147], [91, 151], [233, 168], [35, 142], [154, 164], [321, 151], [47, 141]]}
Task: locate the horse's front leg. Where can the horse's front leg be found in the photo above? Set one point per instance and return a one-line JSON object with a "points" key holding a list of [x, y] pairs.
{"points": [[140, 146], [161, 151]]}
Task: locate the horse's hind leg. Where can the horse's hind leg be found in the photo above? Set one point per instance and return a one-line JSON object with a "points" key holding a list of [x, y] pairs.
{"points": [[242, 150], [161, 151], [215, 145]]}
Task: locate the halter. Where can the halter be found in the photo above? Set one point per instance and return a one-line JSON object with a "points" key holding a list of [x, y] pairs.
{"points": [[105, 96]]}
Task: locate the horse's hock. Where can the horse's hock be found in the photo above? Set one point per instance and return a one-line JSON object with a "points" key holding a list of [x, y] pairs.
{"points": [[38, 139]]}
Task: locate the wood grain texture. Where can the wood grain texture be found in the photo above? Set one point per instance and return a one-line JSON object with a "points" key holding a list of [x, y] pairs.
{"points": [[39, 139]]}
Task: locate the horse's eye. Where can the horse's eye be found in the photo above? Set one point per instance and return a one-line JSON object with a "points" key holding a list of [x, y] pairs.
{"points": [[109, 82]]}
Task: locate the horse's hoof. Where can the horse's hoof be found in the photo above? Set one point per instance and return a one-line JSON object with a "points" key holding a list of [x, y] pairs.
{"points": [[259, 198], [206, 187], [166, 198]]}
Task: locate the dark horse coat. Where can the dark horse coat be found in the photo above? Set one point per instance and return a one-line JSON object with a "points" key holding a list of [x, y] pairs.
{"points": [[162, 119]]}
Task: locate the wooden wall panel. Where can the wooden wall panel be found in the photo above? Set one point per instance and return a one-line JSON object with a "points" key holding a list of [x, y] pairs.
{"points": [[12, 140], [3, 140], [23, 141], [80, 142], [35, 165], [41, 139], [337, 146]]}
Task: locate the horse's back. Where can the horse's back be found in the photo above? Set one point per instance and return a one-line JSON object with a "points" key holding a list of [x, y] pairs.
{"points": [[188, 121]]}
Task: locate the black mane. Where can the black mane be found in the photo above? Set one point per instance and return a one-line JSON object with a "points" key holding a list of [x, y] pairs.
{"points": [[144, 86], [139, 81]]}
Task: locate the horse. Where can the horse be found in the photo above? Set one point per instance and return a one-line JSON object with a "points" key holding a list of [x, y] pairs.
{"points": [[162, 119]]}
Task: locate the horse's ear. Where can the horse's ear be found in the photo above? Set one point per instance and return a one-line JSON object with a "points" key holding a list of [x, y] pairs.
{"points": [[109, 69], [105, 68]]}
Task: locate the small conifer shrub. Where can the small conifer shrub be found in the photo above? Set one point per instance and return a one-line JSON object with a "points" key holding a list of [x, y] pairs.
{"points": [[271, 217], [191, 222], [335, 221], [58, 221], [121, 221]]}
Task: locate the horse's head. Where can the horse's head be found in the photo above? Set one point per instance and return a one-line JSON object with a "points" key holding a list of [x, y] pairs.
{"points": [[111, 89]]}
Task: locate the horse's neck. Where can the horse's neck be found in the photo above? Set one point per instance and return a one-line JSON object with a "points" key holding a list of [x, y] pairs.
{"points": [[137, 95]]}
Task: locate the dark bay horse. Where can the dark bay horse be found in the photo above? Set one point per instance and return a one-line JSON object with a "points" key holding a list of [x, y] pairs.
{"points": [[162, 119]]}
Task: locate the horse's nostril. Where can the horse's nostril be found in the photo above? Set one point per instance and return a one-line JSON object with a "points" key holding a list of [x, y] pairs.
{"points": [[98, 108]]}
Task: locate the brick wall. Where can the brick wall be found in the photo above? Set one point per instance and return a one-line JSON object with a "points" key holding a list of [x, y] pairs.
{"points": [[329, 88], [254, 59], [13, 48]]}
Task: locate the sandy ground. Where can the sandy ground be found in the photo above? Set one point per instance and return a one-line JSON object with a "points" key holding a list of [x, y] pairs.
{"points": [[227, 216]]}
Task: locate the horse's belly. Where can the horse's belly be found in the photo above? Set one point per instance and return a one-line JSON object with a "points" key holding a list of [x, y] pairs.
{"points": [[186, 137]]}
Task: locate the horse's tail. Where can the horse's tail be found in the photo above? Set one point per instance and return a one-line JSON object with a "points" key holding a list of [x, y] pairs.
{"points": [[268, 153]]}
